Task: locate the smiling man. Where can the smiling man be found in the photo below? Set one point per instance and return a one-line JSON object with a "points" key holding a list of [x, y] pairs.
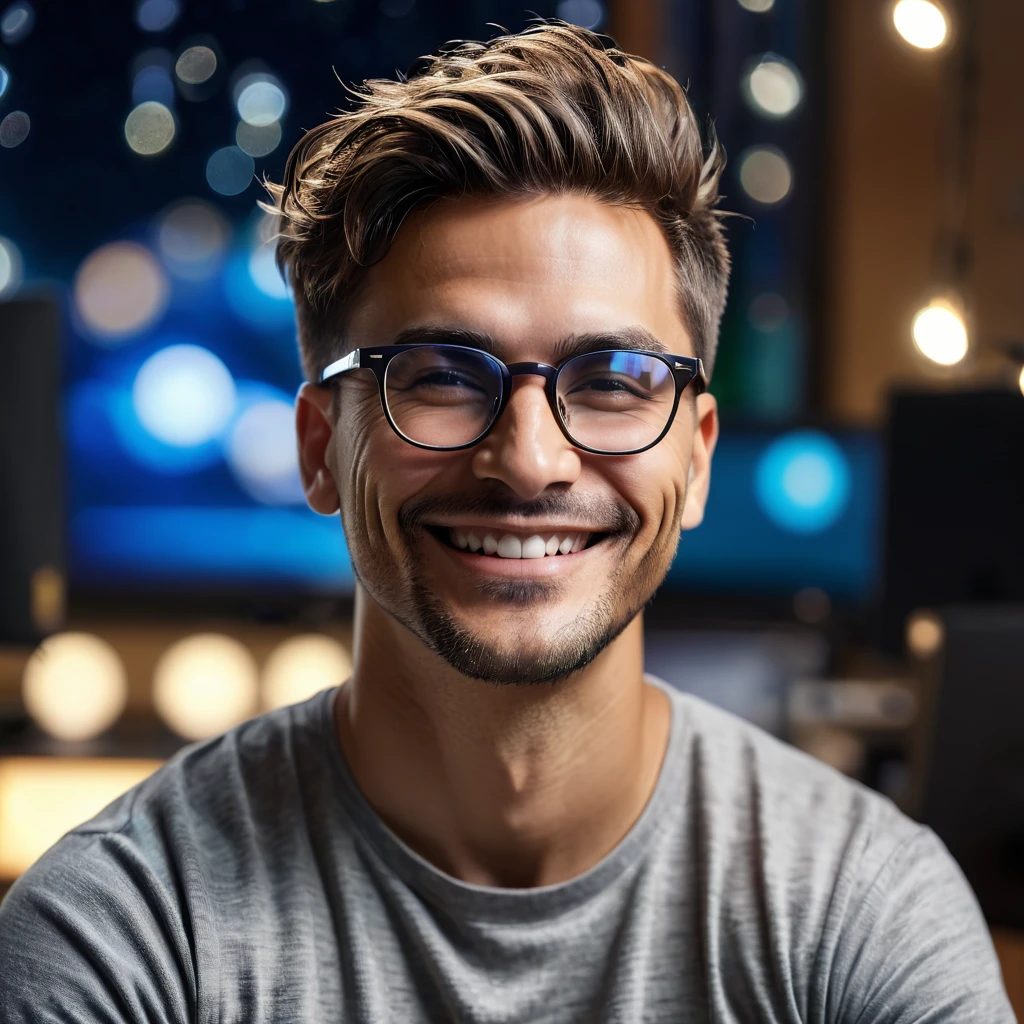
{"points": [[509, 274]]}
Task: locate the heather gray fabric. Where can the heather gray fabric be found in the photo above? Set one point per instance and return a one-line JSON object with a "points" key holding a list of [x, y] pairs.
{"points": [[248, 881]]}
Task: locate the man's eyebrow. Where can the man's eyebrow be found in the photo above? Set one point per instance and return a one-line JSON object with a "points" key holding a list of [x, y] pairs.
{"points": [[439, 334], [630, 338]]}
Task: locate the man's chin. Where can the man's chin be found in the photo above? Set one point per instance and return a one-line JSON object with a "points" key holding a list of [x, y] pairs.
{"points": [[509, 645]]}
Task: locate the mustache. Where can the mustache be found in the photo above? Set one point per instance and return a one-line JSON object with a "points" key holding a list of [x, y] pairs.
{"points": [[613, 516]]}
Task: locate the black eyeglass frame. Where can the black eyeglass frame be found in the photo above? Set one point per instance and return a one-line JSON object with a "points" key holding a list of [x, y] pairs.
{"points": [[685, 370]]}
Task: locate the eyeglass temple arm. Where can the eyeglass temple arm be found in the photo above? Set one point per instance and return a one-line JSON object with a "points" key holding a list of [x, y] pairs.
{"points": [[339, 366]]}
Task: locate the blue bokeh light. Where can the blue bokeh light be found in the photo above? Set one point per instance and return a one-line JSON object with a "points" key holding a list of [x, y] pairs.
{"points": [[803, 482]]}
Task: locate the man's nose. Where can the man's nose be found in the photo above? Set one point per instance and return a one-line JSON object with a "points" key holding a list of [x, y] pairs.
{"points": [[526, 449]]}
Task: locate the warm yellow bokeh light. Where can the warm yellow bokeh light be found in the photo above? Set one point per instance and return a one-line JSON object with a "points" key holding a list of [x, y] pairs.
{"points": [[204, 685], [925, 634], [921, 23], [120, 289], [940, 333], [74, 686], [1020, 380], [42, 798], [301, 666]]}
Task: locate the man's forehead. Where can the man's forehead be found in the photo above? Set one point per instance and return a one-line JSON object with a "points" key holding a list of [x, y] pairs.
{"points": [[541, 268], [482, 237]]}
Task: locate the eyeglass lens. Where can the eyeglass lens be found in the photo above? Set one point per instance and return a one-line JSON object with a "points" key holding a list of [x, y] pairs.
{"points": [[609, 401]]}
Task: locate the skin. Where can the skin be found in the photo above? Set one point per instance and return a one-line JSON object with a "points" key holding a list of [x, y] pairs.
{"points": [[495, 783]]}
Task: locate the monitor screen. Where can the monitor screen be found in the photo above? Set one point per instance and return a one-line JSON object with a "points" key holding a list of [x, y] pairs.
{"points": [[788, 510]]}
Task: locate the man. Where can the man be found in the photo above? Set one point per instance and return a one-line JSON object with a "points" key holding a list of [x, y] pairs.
{"points": [[509, 275]]}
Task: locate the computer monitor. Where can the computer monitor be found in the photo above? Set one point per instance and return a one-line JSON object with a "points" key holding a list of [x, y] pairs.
{"points": [[973, 795], [954, 522]]}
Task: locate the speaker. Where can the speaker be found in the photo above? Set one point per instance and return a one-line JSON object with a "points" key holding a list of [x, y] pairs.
{"points": [[32, 577]]}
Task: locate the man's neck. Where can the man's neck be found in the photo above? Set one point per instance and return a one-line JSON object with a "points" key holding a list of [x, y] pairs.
{"points": [[500, 785]]}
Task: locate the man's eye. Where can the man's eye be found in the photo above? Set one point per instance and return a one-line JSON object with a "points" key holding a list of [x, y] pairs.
{"points": [[610, 386], [445, 379]]}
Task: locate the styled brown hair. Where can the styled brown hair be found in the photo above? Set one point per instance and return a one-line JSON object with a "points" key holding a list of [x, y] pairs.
{"points": [[553, 109]]}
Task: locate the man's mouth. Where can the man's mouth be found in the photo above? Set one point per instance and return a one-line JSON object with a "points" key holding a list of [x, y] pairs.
{"points": [[503, 544]]}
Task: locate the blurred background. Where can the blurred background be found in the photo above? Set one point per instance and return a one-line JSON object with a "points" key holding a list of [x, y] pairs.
{"points": [[857, 586]]}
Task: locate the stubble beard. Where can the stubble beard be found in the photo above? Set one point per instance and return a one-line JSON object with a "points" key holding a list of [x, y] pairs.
{"points": [[530, 660]]}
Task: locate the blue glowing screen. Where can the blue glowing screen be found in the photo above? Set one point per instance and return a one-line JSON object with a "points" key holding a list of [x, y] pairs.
{"points": [[788, 510]]}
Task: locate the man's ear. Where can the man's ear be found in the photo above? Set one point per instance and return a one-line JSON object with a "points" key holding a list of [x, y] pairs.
{"points": [[705, 437], [314, 428]]}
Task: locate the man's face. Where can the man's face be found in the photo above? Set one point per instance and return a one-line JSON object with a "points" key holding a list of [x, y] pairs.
{"points": [[529, 274]]}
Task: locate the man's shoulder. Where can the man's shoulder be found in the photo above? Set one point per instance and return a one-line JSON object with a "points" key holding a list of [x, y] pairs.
{"points": [[767, 786], [248, 784]]}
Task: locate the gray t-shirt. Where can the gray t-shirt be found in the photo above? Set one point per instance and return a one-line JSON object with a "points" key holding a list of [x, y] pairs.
{"points": [[249, 881]]}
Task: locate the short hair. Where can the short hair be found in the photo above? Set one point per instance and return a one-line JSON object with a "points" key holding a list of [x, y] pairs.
{"points": [[554, 109]]}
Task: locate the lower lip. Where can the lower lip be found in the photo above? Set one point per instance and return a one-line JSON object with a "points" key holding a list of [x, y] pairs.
{"points": [[494, 565]]}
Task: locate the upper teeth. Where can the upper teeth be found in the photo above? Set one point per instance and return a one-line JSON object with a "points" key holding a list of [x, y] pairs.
{"points": [[508, 545]]}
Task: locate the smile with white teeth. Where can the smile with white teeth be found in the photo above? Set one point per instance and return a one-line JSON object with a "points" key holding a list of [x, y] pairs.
{"points": [[508, 545]]}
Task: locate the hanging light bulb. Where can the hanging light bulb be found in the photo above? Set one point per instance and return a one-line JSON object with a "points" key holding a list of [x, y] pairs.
{"points": [[921, 23], [939, 332]]}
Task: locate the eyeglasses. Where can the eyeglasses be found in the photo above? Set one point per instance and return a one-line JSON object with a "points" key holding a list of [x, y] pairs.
{"points": [[448, 397]]}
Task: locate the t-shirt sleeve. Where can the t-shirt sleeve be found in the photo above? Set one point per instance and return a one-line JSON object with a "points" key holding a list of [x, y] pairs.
{"points": [[916, 948], [90, 934]]}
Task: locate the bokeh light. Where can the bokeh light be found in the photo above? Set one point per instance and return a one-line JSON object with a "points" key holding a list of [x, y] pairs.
{"points": [[263, 455], [196, 65], [302, 666], [43, 798], [119, 290], [264, 273], [149, 128], [925, 633], [766, 175], [151, 78], [14, 129], [940, 333], [260, 99], [192, 237], [757, 6], [157, 15], [585, 13], [184, 395], [773, 87], [10, 266], [229, 171], [17, 22], [75, 686], [1020, 380], [258, 140], [803, 481], [921, 23], [5, 79], [204, 685]]}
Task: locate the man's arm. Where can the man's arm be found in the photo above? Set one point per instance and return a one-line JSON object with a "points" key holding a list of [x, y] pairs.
{"points": [[90, 935], [916, 947]]}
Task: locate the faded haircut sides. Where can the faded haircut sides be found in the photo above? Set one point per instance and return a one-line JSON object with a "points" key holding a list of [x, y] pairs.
{"points": [[554, 109]]}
